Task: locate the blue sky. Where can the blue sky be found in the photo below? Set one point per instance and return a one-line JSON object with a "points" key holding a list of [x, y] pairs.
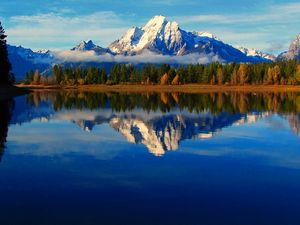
{"points": [[268, 25]]}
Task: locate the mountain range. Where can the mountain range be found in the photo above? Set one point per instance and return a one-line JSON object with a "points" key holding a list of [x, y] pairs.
{"points": [[158, 41]]}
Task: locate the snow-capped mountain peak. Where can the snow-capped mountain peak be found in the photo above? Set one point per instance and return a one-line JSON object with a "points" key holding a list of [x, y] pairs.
{"points": [[164, 37], [84, 46], [156, 23], [90, 46], [252, 52], [128, 42], [158, 35]]}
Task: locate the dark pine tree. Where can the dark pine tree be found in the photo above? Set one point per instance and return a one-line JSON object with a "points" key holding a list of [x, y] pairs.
{"points": [[6, 77]]}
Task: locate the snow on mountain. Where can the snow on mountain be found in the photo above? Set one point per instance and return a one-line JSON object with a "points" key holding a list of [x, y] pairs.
{"points": [[166, 37], [158, 35], [293, 52], [252, 52], [24, 59], [205, 34], [90, 46]]}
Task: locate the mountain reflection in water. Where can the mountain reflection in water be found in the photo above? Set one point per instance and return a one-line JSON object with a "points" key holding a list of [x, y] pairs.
{"points": [[158, 121]]}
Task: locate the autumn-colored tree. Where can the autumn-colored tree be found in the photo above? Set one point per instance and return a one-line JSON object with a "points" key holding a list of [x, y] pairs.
{"points": [[243, 74], [220, 75], [276, 74], [164, 79], [37, 77], [234, 78], [270, 75], [176, 80]]}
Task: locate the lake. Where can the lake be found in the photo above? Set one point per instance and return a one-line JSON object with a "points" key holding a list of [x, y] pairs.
{"points": [[150, 158]]}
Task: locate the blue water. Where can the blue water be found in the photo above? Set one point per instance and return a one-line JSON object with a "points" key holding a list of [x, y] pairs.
{"points": [[77, 165]]}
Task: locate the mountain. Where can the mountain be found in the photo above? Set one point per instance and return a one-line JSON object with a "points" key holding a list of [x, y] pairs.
{"points": [[90, 46], [252, 52], [293, 52], [24, 59], [159, 37], [166, 38]]}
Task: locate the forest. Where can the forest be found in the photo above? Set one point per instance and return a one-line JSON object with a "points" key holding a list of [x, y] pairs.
{"points": [[284, 73]]}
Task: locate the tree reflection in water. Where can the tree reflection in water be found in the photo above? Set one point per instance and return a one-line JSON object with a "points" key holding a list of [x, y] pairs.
{"points": [[6, 110], [231, 102]]}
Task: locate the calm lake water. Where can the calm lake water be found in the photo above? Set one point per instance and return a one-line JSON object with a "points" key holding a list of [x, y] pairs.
{"points": [[71, 158]]}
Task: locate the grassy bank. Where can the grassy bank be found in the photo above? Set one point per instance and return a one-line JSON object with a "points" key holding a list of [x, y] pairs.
{"points": [[187, 88]]}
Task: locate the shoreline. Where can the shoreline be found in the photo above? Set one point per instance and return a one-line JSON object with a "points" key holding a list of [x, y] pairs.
{"points": [[186, 88], [7, 92]]}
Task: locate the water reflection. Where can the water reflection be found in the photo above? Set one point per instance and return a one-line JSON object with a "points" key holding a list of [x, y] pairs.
{"points": [[232, 102], [70, 154], [6, 108], [158, 121], [294, 121]]}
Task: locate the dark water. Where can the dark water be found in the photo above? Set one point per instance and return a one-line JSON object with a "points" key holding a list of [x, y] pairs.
{"points": [[92, 158]]}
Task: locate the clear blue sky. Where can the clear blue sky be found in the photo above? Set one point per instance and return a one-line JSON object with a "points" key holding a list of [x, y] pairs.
{"points": [[268, 25]]}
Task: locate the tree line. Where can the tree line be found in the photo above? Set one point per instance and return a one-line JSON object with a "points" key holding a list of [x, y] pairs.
{"points": [[286, 72]]}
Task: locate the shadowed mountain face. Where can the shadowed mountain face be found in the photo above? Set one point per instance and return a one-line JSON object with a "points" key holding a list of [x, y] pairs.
{"points": [[161, 121], [294, 51], [6, 109]]}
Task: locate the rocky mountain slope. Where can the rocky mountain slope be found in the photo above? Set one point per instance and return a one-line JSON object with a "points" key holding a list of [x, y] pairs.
{"points": [[166, 37], [293, 52]]}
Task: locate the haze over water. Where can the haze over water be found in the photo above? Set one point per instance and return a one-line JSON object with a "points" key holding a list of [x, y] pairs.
{"points": [[166, 158]]}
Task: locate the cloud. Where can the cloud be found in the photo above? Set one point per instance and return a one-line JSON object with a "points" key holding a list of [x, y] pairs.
{"points": [[145, 57], [275, 46], [58, 31], [276, 23], [274, 14], [63, 27]]}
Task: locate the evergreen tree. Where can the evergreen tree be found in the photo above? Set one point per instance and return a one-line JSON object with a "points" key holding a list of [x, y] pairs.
{"points": [[6, 77]]}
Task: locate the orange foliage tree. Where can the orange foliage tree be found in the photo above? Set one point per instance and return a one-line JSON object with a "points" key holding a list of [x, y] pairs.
{"points": [[164, 79], [176, 80]]}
